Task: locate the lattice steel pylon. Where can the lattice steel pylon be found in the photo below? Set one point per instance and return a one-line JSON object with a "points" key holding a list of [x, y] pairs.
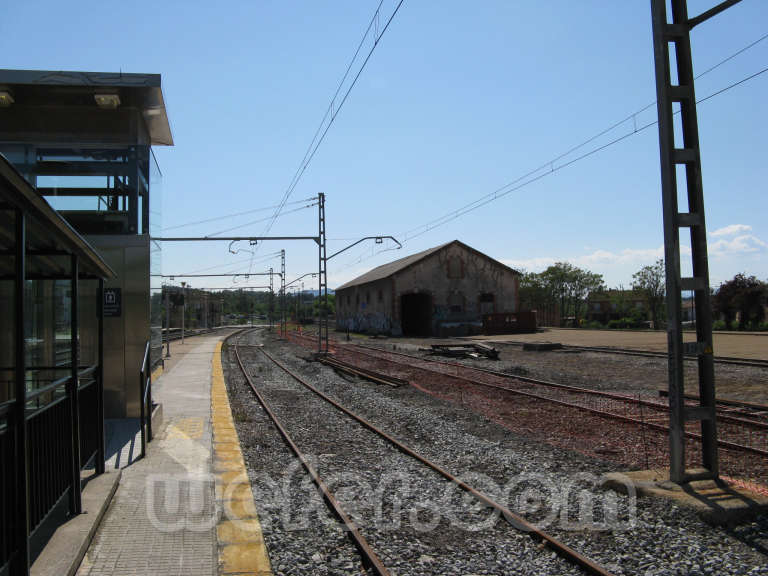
{"points": [[675, 36], [322, 333], [271, 298], [282, 294]]}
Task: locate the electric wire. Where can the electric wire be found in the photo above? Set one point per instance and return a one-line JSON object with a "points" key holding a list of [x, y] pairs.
{"points": [[234, 215], [239, 226], [264, 258], [529, 177], [316, 142]]}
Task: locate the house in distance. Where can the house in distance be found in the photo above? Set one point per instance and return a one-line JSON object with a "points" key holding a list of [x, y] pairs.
{"points": [[442, 291]]}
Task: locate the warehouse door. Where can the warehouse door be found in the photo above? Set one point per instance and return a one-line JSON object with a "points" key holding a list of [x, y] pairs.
{"points": [[416, 312]]}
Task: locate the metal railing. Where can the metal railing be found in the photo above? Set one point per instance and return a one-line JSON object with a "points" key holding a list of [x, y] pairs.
{"points": [[49, 439], [145, 399]]}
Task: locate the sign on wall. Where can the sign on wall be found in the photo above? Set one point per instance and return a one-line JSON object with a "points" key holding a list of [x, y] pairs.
{"points": [[113, 302]]}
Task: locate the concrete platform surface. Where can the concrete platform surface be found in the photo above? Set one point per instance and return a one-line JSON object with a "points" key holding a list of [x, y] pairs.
{"points": [[162, 520], [716, 502], [65, 550]]}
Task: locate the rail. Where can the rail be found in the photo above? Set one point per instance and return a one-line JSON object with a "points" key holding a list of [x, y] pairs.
{"points": [[145, 400], [515, 520]]}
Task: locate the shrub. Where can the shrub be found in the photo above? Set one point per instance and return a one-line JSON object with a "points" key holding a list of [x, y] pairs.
{"points": [[719, 325]]}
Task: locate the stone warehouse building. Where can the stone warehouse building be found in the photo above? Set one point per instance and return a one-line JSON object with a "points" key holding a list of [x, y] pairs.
{"points": [[443, 291]]}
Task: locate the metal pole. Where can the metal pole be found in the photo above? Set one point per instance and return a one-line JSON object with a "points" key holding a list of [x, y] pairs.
{"points": [[167, 321], [101, 450], [677, 36], [183, 308], [282, 293], [271, 298], [20, 417], [75, 502]]}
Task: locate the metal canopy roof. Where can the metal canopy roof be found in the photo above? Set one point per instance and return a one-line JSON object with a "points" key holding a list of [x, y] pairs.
{"points": [[47, 231], [141, 91]]}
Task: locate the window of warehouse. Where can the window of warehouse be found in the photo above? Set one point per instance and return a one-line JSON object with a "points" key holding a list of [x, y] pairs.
{"points": [[456, 303], [455, 267]]}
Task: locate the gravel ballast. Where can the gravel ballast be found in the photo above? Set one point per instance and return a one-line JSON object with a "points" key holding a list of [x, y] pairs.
{"points": [[424, 526]]}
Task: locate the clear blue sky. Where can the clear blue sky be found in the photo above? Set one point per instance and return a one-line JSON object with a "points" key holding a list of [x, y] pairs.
{"points": [[458, 99]]}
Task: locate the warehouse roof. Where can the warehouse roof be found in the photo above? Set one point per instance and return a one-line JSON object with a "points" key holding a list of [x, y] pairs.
{"points": [[386, 270]]}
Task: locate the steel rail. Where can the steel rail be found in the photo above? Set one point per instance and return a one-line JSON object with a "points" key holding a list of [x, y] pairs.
{"points": [[365, 549], [575, 389], [362, 372], [602, 413], [758, 363], [513, 519]]}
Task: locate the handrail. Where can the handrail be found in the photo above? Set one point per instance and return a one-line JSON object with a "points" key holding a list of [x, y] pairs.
{"points": [[146, 357], [57, 383], [47, 388], [145, 401]]}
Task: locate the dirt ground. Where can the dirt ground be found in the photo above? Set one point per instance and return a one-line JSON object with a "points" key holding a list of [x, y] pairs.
{"points": [[751, 345], [602, 371]]}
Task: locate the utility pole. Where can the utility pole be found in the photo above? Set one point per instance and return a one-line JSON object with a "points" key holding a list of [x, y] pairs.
{"points": [[167, 321], [271, 298], [675, 37], [183, 308], [322, 269], [282, 294]]}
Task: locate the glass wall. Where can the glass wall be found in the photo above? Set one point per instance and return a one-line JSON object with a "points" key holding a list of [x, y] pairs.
{"points": [[98, 190], [156, 304]]}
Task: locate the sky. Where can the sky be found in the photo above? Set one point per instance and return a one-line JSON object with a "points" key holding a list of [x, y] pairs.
{"points": [[457, 100]]}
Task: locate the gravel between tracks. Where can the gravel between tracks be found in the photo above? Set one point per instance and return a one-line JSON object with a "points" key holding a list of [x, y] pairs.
{"points": [[664, 539]]}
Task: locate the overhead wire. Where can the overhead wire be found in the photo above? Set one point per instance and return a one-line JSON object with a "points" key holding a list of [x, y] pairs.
{"points": [[499, 192], [265, 258], [529, 177], [234, 215], [252, 222], [332, 112]]}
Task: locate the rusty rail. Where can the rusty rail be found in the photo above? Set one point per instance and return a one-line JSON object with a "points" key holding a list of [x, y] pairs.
{"points": [[362, 372], [365, 549], [513, 519], [603, 413]]}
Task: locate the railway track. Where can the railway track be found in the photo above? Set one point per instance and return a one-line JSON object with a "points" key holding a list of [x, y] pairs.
{"points": [[570, 414], [757, 363], [370, 558], [740, 433]]}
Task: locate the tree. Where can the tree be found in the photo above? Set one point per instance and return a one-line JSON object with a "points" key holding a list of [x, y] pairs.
{"points": [[651, 281], [743, 295], [563, 285], [581, 284]]}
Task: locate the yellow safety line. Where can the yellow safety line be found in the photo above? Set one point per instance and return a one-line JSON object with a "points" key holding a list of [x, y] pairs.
{"points": [[157, 373], [241, 547]]}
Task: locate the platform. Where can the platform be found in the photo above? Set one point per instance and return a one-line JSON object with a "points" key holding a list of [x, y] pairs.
{"points": [[163, 518], [717, 503]]}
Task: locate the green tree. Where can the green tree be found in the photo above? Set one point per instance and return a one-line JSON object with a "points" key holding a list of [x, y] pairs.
{"points": [[743, 295], [563, 285], [650, 280]]}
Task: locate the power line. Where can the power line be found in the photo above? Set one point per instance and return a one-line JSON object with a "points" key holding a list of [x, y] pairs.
{"points": [[261, 220], [529, 178], [235, 214], [333, 111], [217, 266]]}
